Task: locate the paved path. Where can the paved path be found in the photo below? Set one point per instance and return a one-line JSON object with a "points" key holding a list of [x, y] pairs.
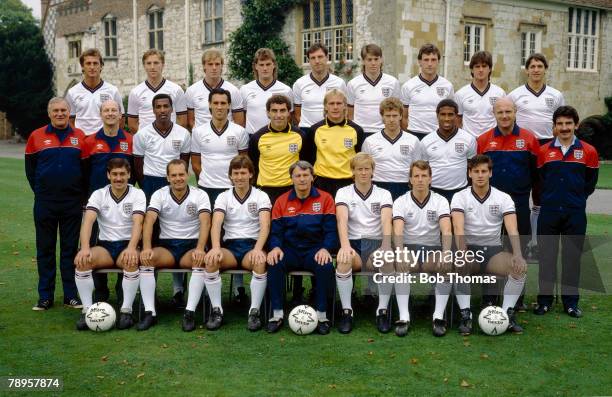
{"points": [[599, 203]]}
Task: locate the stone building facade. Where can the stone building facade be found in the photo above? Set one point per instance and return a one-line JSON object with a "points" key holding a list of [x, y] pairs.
{"points": [[576, 37]]}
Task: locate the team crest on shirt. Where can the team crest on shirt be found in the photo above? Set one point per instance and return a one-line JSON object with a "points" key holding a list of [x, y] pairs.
{"points": [[578, 154], [252, 207], [492, 100], [316, 207], [494, 209], [176, 144], [375, 208], [348, 143], [432, 215], [293, 148], [386, 91], [520, 143], [105, 97], [460, 147], [127, 208], [123, 146], [74, 141], [550, 102], [231, 141], [191, 209], [441, 91], [404, 150]]}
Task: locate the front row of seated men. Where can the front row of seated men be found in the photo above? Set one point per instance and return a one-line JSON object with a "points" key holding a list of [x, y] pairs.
{"points": [[300, 232]]}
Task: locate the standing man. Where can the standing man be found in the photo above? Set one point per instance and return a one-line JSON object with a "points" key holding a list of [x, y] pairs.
{"points": [[275, 147], [448, 151], [476, 100], [569, 169], [535, 104], [303, 236], [366, 91], [55, 171], [197, 94], [140, 110], [421, 94], [85, 98], [309, 90], [256, 93]]}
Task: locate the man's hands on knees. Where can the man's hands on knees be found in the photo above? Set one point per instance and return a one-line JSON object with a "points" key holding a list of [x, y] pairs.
{"points": [[323, 256], [197, 256], [129, 257], [146, 256], [213, 257], [83, 259], [519, 265], [275, 256], [257, 257], [345, 255]]}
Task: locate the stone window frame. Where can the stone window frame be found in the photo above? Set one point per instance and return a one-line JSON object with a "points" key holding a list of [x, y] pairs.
{"points": [[583, 27], [334, 27], [531, 39], [473, 41], [214, 17], [109, 36], [155, 27], [75, 47]]}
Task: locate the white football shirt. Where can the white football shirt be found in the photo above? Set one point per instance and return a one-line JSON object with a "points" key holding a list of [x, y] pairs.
{"points": [[366, 95], [534, 110], [477, 107], [158, 147], [448, 158], [308, 93], [85, 104], [179, 219], [216, 150], [196, 97], [483, 217], [421, 97], [393, 156], [254, 98], [421, 220], [364, 210], [242, 215], [140, 101], [115, 213]]}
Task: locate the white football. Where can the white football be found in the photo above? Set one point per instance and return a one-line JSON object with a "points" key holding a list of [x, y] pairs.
{"points": [[303, 319], [100, 317], [493, 320]]}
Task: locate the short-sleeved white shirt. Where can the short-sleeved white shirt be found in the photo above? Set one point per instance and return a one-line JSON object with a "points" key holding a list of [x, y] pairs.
{"points": [[421, 97], [179, 219], [364, 219], [159, 149], [448, 158], [140, 101], [309, 93], [421, 220], [242, 216], [476, 107], [217, 149], [254, 98], [85, 104], [196, 97], [483, 217], [366, 95], [115, 213], [393, 156], [534, 110]]}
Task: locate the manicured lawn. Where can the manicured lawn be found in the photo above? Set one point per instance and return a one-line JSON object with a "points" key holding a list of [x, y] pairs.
{"points": [[605, 176], [556, 355]]}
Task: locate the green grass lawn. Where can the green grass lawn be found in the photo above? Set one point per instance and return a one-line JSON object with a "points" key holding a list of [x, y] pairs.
{"points": [[556, 355], [605, 176]]}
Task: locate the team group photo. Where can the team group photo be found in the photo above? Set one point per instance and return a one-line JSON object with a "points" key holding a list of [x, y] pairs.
{"points": [[357, 230]]}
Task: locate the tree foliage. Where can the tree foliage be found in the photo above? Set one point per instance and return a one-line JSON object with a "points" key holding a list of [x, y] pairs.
{"points": [[26, 74], [263, 20]]}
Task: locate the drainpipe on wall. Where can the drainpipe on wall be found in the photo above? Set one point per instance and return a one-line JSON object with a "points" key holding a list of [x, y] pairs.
{"points": [[187, 42], [447, 39], [135, 39]]}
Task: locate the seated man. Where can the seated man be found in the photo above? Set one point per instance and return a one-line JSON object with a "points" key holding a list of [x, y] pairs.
{"points": [[302, 237], [243, 212], [119, 209], [363, 214], [478, 213], [184, 219], [419, 217]]}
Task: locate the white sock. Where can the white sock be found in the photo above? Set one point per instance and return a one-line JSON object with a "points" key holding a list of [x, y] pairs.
{"points": [[533, 218], [278, 314], [131, 280], [384, 292], [462, 292], [402, 295], [213, 286], [258, 289], [443, 291], [238, 282], [321, 316], [196, 285], [85, 286], [177, 282], [345, 288], [512, 291], [147, 288]]}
